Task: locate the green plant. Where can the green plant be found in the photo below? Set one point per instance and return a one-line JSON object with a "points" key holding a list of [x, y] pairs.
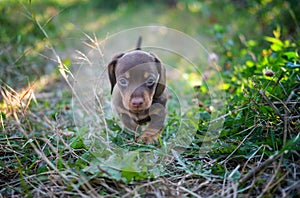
{"points": [[263, 95]]}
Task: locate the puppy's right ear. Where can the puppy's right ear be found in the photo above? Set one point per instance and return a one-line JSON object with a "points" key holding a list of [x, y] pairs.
{"points": [[112, 70]]}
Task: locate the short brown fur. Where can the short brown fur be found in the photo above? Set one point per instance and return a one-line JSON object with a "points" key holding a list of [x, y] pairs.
{"points": [[138, 79]]}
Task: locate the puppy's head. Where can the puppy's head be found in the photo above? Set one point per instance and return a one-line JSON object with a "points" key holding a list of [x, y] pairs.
{"points": [[140, 77]]}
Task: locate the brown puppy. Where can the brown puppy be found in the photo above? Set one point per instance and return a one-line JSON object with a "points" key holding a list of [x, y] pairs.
{"points": [[140, 95]]}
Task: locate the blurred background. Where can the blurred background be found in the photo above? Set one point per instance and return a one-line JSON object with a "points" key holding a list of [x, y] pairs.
{"points": [[223, 26]]}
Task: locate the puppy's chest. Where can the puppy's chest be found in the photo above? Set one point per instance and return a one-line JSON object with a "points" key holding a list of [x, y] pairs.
{"points": [[140, 118]]}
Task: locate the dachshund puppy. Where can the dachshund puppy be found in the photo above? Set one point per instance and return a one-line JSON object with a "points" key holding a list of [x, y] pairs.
{"points": [[140, 95]]}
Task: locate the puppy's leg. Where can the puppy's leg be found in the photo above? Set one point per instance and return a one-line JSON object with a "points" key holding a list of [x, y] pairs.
{"points": [[123, 113], [128, 122], [157, 114]]}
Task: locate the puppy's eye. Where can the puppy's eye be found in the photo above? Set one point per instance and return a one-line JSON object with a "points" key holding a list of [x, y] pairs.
{"points": [[150, 81], [123, 82]]}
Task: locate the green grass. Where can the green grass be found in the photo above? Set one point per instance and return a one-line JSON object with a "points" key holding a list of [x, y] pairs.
{"points": [[44, 152]]}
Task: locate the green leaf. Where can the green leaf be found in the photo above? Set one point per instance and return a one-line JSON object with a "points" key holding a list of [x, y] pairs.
{"points": [[2, 115], [273, 40], [251, 43], [77, 142], [134, 175], [276, 47], [67, 62], [219, 28], [250, 63], [204, 116], [276, 32], [290, 55]]}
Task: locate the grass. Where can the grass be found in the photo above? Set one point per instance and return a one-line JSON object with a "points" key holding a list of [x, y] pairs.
{"points": [[44, 152]]}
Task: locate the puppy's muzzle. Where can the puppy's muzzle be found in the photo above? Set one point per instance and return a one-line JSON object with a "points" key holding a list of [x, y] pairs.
{"points": [[137, 102]]}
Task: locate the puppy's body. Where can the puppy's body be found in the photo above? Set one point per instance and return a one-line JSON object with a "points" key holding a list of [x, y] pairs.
{"points": [[140, 95]]}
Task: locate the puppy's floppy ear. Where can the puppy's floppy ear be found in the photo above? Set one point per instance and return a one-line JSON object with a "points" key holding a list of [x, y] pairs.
{"points": [[162, 77], [111, 71]]}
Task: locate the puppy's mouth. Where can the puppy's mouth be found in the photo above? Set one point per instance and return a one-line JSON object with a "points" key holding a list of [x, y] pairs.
{"points": [[136, 109]]}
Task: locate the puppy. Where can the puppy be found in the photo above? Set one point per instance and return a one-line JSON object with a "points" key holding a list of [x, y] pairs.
{"points": [[140, 95]]}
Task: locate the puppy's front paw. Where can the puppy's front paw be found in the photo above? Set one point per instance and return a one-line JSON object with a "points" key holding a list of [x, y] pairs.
{"points": [[147, 139], [149, 136]]}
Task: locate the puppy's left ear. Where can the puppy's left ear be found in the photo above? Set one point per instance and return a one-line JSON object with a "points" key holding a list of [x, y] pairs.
{"points": [[112, 70], [162, 77]]}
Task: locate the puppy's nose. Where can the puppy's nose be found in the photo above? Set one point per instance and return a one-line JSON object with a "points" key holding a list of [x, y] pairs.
{"points": [[137, 101]]}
